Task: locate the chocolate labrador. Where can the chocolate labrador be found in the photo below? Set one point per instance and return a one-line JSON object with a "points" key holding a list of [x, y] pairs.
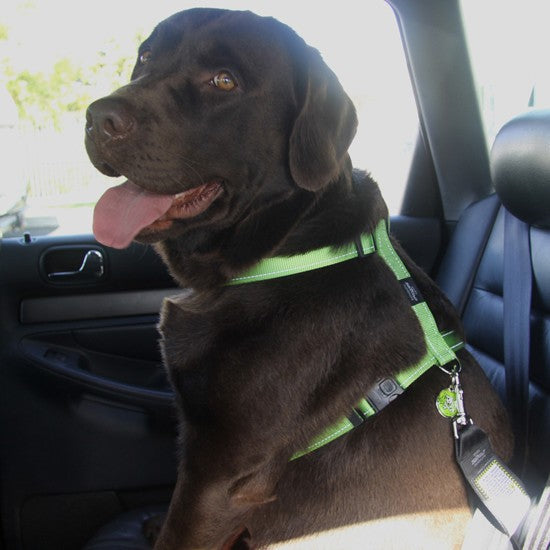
{"points": [[233, 136]]}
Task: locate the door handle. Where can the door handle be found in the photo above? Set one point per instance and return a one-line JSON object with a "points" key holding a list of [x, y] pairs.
{"points": [[91, 268]]}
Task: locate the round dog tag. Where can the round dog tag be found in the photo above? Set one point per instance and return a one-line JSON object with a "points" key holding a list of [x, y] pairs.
{"points": [[446, 403]]}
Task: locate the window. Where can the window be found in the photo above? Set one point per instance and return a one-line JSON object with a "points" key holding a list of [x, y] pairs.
{"points": [[509, 44], [56, 56]]}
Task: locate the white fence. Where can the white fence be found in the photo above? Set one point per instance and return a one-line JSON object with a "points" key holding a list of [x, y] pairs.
{"points": [[55, 166]]}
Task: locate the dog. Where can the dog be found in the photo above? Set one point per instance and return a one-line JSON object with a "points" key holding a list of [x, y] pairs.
{"points": [[233, 135]]}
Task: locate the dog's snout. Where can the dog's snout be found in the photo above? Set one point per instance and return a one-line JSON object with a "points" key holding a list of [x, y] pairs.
{"points": [[109, 118]]}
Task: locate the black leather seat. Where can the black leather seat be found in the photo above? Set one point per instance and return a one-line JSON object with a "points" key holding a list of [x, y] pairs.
{"points": [[472, 271], [472, 275]]}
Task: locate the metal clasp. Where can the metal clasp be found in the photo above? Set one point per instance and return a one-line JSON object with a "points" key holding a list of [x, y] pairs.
{"points": [[452, 368], [461, 419]]}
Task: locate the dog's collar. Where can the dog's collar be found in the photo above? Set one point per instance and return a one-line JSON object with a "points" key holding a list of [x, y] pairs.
{"points": [[440, 347]]}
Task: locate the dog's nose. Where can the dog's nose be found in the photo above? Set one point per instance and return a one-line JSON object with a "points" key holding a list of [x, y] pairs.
{"points": [[109, 118]]}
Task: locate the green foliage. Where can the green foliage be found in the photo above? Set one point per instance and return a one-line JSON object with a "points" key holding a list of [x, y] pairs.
{"points": [[4, 33], [45, 99]]}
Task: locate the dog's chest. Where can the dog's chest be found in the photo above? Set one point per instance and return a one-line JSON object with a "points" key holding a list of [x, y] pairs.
{"points": [[187, 346], [186, 335]]}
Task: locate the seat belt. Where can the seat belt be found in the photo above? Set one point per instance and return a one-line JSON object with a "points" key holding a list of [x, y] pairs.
{"points": [[518, 282], [517, 293], [517, 290], [538, 533]]}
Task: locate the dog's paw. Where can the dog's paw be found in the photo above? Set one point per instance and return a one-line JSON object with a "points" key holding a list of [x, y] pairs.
{"points": [[151, 528], [240, 540]]}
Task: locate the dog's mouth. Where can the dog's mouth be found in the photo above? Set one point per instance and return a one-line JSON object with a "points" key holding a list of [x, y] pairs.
{"points": [[127, 211]]}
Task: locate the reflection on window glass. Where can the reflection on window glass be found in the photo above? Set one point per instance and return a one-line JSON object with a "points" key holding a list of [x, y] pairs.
{"points": [[509, 57], [56, 57]]}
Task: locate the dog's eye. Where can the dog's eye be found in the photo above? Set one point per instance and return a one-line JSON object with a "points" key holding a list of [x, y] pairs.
{"points": [[145, 57], [224, 81]]}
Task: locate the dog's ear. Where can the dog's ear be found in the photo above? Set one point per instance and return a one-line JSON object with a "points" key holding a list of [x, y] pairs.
{"points": [[324, 128]]}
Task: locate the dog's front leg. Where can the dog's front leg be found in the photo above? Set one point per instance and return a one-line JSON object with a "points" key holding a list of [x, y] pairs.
{"points": [[209, 508], [186, 520]]}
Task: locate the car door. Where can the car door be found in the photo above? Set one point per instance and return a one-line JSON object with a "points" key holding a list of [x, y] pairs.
{"points": [[86, 417]]}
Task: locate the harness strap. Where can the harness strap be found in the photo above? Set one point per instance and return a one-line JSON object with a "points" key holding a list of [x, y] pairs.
{"points": [[282, 266], [440, 348], [437, 347], [440, 351], [378, 397]]}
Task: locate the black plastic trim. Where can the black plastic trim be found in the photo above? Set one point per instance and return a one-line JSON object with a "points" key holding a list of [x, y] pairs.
{"points": [[51, 309], [69, 369]]}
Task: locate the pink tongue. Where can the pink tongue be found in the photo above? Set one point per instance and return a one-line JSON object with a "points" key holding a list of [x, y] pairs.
{"points": [[123, 211]]}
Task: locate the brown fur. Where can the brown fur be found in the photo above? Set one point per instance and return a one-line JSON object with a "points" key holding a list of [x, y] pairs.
{"points": [[260, 369]]}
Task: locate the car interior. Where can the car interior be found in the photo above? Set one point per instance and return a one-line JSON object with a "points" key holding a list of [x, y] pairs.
{"points": [[87, 422]]}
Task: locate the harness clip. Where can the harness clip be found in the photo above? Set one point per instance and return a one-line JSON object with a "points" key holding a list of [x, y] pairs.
{"points": [[452, 368], [461, 419]]}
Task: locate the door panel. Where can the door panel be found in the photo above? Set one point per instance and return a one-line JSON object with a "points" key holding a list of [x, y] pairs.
{"points": [[86, 417], [91, 306]]}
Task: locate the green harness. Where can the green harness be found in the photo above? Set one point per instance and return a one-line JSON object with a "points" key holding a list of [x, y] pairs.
{"points": [[440, 347]]}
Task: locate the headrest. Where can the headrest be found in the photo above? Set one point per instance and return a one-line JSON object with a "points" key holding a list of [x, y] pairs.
{"points": [[520, 166]]}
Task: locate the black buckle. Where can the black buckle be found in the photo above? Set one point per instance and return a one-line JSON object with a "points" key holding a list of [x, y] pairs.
{"points": [[359, 246], [383, 393]]}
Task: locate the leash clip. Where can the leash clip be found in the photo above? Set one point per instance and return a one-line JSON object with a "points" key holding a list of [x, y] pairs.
{"points": [[452, 368], [450, 401], [461, 418]]}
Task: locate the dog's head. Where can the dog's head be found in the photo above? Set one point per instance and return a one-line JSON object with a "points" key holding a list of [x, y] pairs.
{"points": [[226, 112]]}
